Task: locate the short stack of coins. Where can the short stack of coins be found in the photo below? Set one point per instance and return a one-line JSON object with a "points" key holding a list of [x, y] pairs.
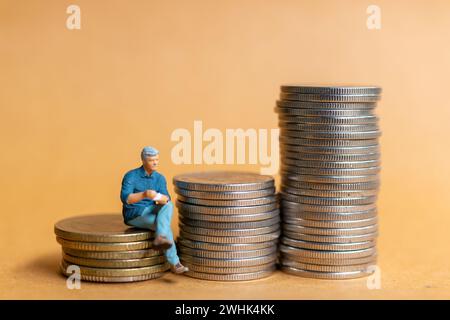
{"points": [[330, 163], [229, 225], [106, 250]]}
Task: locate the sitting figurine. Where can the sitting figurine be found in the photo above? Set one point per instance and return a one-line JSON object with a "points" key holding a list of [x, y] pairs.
{"points": [[147, 205]]}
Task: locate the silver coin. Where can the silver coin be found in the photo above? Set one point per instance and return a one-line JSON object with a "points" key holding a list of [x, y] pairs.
{"points": [[230, 270], [113, 255], [220, 181], [331, 172], [329, 262], [229, 263], [290, 142], [331, 150], [230, 218], [329, 201], [328, 193], [231, 277], [231, 240], [328, 209], [332, 89], [331, 157], [328, 255], [326, 275], [230, 195], [230, 232], [326, 105], [199, 245], [373, 119], [330, 240], [328, 216], [323, 216], [324, 268], [328, 97], [182, 206], [115, 264], [228, 225], [229, 203], [332, 224], [329, 178], [330, 134], [330, 186], [323, 246], [338, 232], [329, 146], [315, 112], [331, 164], [333, 128], [227, 254]]}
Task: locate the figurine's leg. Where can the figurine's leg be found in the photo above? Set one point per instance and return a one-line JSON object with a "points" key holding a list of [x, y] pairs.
{"points": [[146, 220], [163, 219]]}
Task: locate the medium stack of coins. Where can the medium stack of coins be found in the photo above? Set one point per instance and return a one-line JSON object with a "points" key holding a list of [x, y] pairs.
{"points": [[330, 165], [229, 225], [106, 250]]}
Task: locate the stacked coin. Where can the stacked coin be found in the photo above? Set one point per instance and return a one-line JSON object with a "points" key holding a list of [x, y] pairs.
{"points": [[106, 250], [229, 225], [330, 163]]}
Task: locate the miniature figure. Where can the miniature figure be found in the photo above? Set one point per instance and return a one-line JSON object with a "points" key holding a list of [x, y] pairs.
{"points": [[146, 204]]}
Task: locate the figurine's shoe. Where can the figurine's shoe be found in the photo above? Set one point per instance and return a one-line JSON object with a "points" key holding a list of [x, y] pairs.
{"points": [[179, 268], [161, 243]]}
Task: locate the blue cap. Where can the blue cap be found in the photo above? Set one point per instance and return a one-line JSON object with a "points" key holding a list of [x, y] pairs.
{"points": [[148, 152]]}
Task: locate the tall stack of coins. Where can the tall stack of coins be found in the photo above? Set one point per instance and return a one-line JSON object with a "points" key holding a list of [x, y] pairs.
{"points": [[229, 225], [106, 250], [330, 165]]}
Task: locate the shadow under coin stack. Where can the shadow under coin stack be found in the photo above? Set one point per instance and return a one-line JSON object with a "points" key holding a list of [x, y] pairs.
{"points": [[330, 165], [229, 225], [107, 250]]}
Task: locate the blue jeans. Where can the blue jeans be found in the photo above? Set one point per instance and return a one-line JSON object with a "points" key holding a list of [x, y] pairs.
{"points": [[158, 219]]}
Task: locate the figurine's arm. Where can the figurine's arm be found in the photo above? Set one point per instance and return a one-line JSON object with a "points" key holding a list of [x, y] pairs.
{"points": [[165, 196], [128, 197], [164, 190], [138, 196]]}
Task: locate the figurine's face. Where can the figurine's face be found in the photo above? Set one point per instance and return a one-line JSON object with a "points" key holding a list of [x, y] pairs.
{"points": [[151, 163]]}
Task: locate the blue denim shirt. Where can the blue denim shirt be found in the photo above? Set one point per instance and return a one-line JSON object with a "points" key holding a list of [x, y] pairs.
{"points": [[138, 180]]}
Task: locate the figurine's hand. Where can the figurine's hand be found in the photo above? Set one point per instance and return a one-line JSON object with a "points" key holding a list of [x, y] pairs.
{"points": [[150, 194], [164, 199]]}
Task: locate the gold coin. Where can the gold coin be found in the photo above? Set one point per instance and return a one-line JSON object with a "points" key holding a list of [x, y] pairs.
{"points": [[99, 228], [104, 246], [114, 264], [116, 279], [113, 255], [109, 272]]}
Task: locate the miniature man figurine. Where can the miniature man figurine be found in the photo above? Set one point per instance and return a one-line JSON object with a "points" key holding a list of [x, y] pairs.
{"points": [[147, 205]]}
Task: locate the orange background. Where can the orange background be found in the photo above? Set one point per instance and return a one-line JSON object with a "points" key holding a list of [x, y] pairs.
{"points": [[77, 106]]}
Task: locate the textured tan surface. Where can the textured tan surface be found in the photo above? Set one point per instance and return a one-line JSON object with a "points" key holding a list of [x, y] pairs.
{"points": [[77, 106], [411, 267]]}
